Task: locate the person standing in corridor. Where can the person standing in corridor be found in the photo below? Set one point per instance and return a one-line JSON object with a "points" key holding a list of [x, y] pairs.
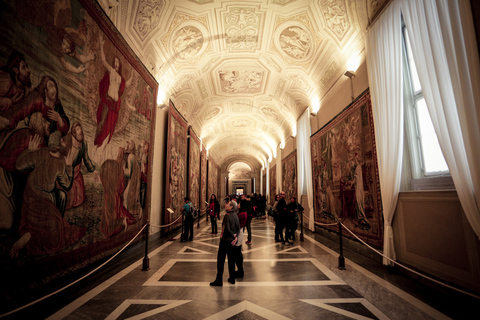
{"points": [[213, 211], [230, 230], [188, 222]]}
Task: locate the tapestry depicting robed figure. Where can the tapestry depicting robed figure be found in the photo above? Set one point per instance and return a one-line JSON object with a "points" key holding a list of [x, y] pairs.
{"points": [[345, 173]]}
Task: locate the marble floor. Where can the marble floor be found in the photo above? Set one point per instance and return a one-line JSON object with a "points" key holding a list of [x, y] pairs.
{"points": [[301, 281]]}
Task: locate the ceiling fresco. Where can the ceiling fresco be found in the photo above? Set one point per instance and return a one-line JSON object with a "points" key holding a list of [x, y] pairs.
{"points": [[243, 72]]}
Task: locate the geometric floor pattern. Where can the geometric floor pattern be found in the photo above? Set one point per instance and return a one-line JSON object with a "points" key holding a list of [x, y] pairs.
{"points": [[301, 281]]}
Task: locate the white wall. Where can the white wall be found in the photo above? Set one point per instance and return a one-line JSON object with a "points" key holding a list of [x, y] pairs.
{"points": [[340, 96], [158, 170]]}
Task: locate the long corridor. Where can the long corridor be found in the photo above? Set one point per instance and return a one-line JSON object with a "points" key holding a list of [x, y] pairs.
{"points": [[301, 281]]}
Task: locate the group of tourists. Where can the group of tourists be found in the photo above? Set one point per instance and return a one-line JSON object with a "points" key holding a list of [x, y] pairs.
{"points": [[239, 212], [286, 218]]}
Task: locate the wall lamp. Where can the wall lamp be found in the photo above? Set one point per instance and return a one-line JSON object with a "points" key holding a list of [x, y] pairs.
{"points": [[350, 74]]}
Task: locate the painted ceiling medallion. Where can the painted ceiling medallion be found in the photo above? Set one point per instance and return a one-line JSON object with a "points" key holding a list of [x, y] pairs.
{"points": [[147, 17], [240, 123], [246, 81], [241, 27], [270, 113], [336, 17], [240, 106], [295, 42], [212, 113], [187, 42]]}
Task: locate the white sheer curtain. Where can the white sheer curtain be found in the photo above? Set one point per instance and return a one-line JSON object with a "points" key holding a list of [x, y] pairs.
{"points": [[445, 52], [304, 165], [384, 56]]}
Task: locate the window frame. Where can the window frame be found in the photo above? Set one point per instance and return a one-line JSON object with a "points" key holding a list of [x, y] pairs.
{"points": [[420, 179]]}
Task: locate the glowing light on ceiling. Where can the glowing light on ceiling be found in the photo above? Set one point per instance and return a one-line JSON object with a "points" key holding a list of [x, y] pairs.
{"points": [[315, 106], [160, 97], [353, 63]]}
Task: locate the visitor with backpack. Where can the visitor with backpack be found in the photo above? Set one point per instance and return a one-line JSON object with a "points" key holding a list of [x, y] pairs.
{"points": [[187, 211]]}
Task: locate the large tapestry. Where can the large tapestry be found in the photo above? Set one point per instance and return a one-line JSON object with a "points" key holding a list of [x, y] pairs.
{"points": [[273, 184], [176, 174], [194, 168], [289, 174], [264, 185], [345, 173], [76, 122], [213, 175], [203, 179]]}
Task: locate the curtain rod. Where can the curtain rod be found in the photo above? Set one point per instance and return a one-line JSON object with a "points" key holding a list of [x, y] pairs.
{"points": [[378, 14]]}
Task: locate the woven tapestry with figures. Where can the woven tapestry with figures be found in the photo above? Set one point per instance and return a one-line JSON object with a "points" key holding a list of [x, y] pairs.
{"points": [[194, 168], [176, 186], [77, 117], [345, 173], [289, 173], [273, 184], [212, 179]]}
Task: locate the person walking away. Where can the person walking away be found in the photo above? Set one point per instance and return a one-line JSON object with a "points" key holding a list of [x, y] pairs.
{"points": [[283, 214], [228, 239], [188, 220], [293, 211], [276, 217], [214, 211]]}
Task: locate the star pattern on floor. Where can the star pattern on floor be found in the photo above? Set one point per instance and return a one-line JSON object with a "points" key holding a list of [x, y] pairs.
{"points": [[280, 282], [154, 306]]}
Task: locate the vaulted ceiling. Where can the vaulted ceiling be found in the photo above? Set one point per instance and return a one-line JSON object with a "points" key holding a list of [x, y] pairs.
{"points": [[242, 72]]}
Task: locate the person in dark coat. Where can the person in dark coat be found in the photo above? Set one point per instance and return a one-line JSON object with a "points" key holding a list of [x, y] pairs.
{"points": [[294, 209], [228, 240], [213, 211]]}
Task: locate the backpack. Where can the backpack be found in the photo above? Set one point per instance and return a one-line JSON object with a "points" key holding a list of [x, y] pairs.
{"points": [[193, 210]]}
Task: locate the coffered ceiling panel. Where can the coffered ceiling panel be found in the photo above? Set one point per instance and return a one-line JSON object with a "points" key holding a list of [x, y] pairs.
{"points": [[242, 72]]}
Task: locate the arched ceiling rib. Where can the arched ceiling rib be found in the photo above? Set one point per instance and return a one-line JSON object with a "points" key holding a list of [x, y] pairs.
{"points": [[243, 72]]}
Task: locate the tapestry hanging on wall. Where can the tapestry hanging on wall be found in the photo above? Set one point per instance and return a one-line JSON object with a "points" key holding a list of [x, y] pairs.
{"points": [[194, 168], [213, 175], [76, 122], [264, 184], [345, 173], [273, 184], [203, 179], [176, 161], [289, 174]]}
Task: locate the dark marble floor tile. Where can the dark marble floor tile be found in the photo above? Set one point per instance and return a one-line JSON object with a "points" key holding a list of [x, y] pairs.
{"points": [[301, 281]]}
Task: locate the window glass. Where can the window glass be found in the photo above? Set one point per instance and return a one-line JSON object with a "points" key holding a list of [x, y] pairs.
{"points": [[417, 88], [434, 161]]}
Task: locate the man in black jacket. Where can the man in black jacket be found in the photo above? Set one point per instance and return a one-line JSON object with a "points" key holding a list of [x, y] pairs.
{"points": [[228, 240], [294, 209], [283, 217]]}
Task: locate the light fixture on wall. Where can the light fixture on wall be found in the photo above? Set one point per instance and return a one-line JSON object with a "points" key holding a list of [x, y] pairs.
{"points": [[313, 114], [350, 74]]}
